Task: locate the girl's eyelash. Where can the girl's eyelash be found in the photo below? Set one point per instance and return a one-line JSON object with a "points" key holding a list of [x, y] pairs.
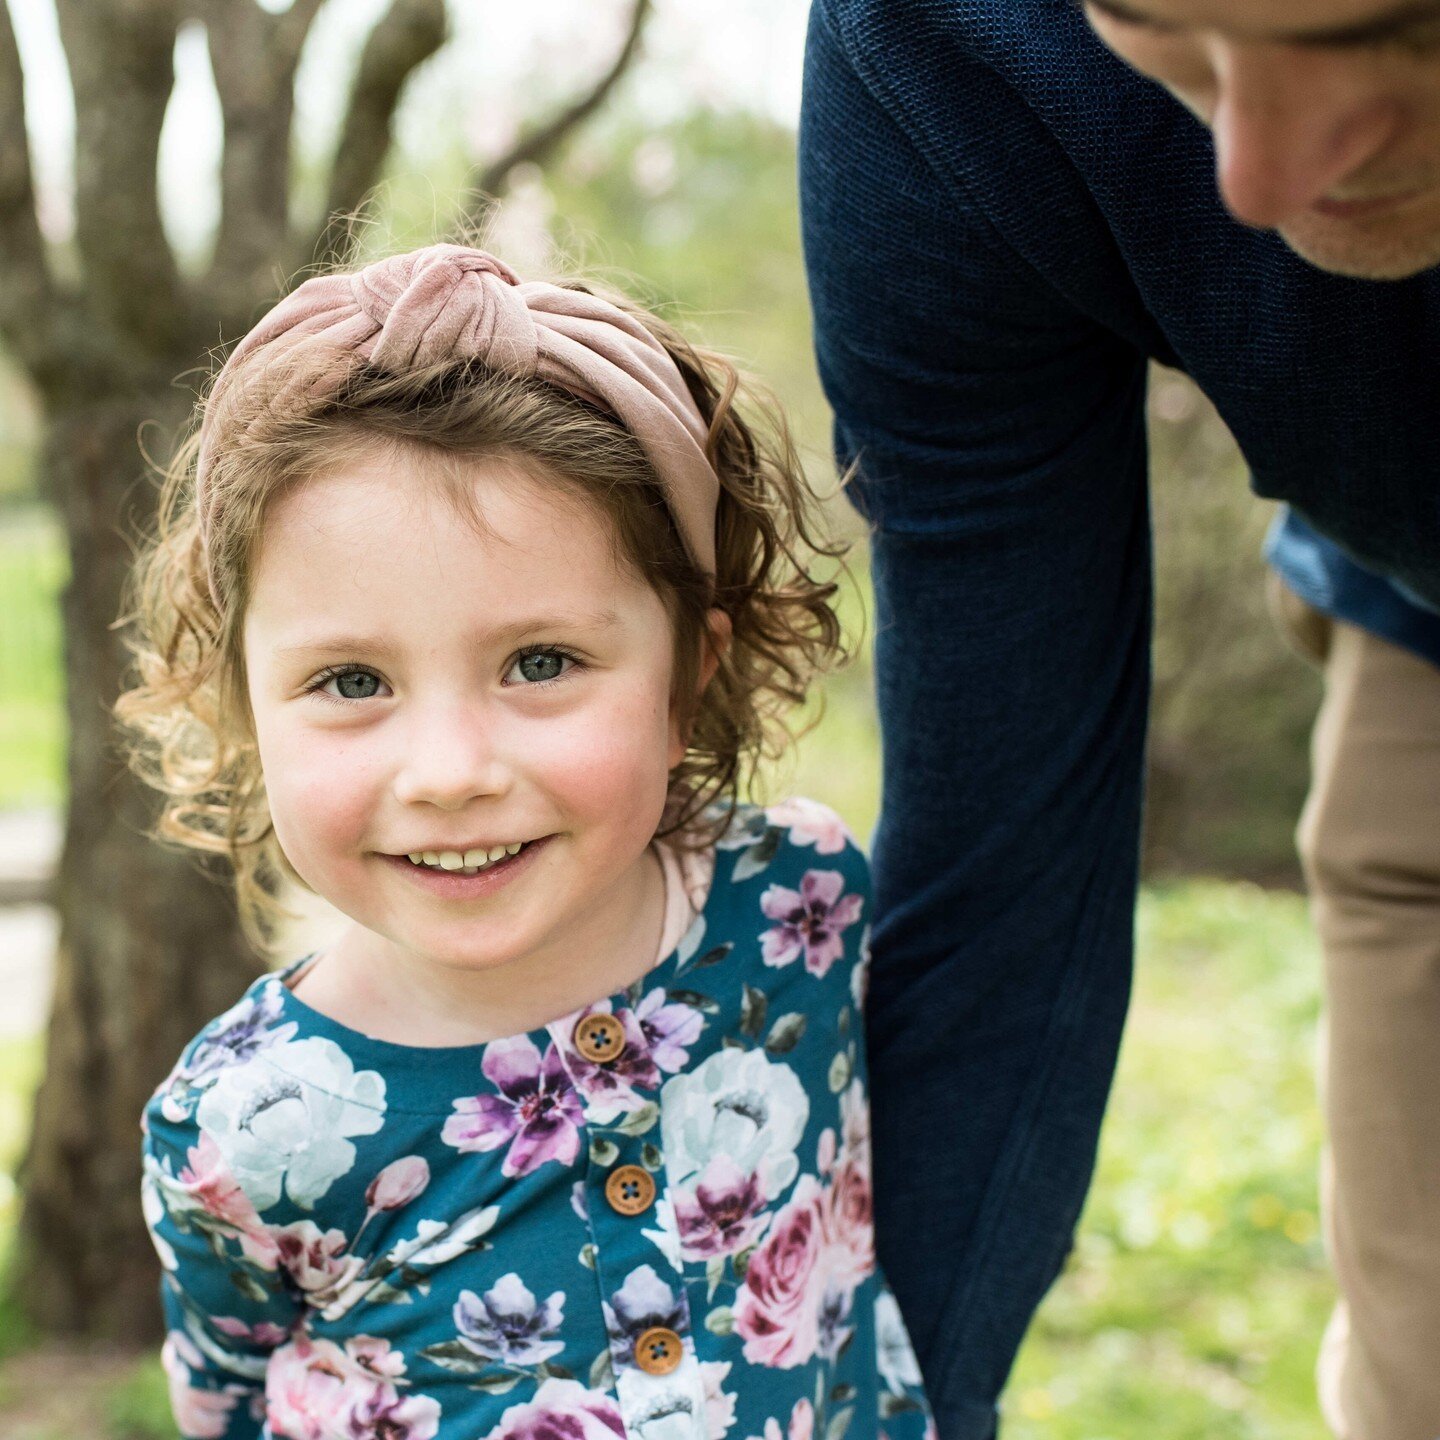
{"points": [[323, 678]]}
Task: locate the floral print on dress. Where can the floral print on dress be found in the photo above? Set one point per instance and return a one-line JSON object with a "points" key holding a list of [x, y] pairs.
{"points": [[362, 1240], [812, 921], [318, 1390], [285, 1119], [536, 1115]]}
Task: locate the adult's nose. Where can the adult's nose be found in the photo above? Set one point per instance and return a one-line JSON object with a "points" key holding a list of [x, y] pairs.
{"points": [[1293, 124], [453, 753]]}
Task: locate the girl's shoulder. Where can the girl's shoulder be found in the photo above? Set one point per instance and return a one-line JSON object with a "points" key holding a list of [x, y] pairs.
{"points": [[241, 1068], [789, 838]]}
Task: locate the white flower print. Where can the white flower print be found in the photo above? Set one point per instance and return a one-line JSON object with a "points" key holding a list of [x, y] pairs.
{"points": [[282, 1121], [740, 1104], [895, 1355]]}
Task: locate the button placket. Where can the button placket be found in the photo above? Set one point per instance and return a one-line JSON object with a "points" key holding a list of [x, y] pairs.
{"points": [[658, 1371]]}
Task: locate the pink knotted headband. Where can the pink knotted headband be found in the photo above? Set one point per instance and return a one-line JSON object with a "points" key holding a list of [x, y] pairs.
{"points": [[448, 302]]}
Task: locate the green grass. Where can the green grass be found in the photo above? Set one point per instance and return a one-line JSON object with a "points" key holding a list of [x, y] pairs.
{"points": [[32, 717], [1194, 1300]]}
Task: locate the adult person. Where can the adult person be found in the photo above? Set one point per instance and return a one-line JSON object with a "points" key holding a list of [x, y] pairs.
{"points": [[1009, 208]]}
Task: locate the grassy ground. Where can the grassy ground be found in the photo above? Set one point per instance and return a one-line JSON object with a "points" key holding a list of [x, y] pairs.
{"points": [[1197, 1291], [32, 735]]}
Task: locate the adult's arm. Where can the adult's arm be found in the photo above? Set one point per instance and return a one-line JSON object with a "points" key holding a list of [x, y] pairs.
{"points": [[1000, 436]]}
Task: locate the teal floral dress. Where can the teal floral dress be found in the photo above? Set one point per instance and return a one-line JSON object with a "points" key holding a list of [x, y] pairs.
{"points": [[649, 1219]]}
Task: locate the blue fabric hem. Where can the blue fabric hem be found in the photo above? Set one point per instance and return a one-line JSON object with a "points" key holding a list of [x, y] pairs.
{"points": [[1324, 576]]}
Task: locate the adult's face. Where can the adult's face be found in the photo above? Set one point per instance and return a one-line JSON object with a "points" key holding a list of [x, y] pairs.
{"points": [[1325, 115]]}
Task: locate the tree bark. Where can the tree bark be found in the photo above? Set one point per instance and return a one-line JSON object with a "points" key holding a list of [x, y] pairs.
{"points": [[149, 947]]}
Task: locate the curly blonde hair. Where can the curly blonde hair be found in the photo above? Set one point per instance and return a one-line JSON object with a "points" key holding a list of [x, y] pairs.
{"points": [[186, 719]]}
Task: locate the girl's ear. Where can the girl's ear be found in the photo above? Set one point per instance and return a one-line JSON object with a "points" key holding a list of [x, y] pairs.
{"points": [[714, 643]]}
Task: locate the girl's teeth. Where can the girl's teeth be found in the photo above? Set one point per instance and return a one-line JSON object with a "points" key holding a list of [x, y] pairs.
{"points": [[468, 863]]}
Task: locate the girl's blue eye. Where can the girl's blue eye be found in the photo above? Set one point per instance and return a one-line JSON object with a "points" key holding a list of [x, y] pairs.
{"points": [[543, 665], [350, 683]]}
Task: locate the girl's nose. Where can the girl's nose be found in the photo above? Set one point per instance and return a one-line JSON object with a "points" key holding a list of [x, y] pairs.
{"points": [[451, 757], [1292, 125]]}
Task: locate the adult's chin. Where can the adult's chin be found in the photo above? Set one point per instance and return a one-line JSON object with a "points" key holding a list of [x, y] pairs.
{"points": [[1381, 247]]}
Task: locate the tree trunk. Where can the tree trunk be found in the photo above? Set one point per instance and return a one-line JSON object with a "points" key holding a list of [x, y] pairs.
{"points": [[148, 947]]}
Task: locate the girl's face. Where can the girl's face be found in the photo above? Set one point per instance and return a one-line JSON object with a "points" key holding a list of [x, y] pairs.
{"points": [[421, 687]]}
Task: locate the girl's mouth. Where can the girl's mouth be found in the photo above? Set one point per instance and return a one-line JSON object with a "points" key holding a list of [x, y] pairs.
{"points": [[464, 881]]}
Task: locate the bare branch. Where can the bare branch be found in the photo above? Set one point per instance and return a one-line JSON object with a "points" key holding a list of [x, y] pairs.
{"points": [[27, 299], [540, 144], [120, 54], [254, 56], [410, 32]]}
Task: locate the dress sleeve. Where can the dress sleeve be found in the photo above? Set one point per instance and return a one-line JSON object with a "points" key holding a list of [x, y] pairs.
{"points": [[998, 431], [223, 1291]]}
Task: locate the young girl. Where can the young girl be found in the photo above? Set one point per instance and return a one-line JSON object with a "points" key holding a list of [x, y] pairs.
{"points": [[470, 601]]}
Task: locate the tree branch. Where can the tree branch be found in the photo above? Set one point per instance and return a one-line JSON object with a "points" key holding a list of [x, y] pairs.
{"points": [[410, 32], [541, 143], [28, 297], [254, 56], [120, 54]]}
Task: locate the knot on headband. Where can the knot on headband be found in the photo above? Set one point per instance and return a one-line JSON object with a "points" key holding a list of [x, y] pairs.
{"points": [[448, 302]]}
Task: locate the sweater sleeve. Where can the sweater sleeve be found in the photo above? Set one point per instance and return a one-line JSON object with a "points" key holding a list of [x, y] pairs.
{"points": [[223, 1291], [997, 429]]}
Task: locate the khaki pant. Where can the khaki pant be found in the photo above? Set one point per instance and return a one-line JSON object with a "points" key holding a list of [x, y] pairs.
{"points": [[1369, 841]]}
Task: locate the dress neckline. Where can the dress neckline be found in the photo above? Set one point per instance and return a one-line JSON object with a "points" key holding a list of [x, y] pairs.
{"points": [[422, 1072]]}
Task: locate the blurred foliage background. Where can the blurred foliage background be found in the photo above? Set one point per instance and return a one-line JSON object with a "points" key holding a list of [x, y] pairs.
{"points": [[1194, 1299]]}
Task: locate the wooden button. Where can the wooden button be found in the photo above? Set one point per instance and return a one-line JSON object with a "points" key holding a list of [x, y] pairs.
{"points": [[658, 1350], [630, 1189], [600, 1037]]}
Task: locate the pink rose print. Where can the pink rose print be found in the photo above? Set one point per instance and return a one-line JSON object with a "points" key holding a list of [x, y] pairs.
{"points": [[316, 1261], [722, 1212], [562, 1410], [849, 1226], [810, 823], [776, 1309], [537, 1112], [811, 922], [314, 1390], [205, 1414]]}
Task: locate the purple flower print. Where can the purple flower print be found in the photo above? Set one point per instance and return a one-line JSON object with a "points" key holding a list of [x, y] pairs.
{"points": [[238, 1034], [505, 1323], [831, 1330], [811, 921], [536, 1113], [642, 1301], [722, 1213], [668, 1029]]}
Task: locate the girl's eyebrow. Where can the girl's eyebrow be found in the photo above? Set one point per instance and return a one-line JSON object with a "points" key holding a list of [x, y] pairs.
{"points": [[1391, 24], [374, 645]]}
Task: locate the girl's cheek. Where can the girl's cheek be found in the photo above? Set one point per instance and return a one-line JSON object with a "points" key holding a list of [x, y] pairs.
{"points": [[321, 789]]}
